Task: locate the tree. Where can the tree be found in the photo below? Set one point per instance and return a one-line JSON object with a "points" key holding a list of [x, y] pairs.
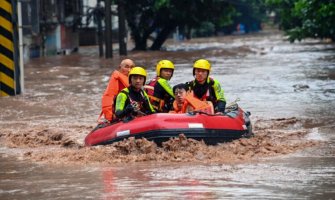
{"points": [[97, 14], [305, 18], [161, 17], [251, 13]]}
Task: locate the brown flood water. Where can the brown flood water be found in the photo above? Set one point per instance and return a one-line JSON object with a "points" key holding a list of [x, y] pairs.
{"points": [[288, 88]]}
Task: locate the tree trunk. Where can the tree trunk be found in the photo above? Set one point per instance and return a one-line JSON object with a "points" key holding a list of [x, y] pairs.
{"points": [[108, 31], [188, 34], [99, 33], [141, 39], [122, 29], [140, 42], [162, 37]]}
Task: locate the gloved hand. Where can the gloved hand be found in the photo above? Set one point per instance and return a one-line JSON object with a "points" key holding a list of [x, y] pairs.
{"points": [[129, 108], [220, 107]]}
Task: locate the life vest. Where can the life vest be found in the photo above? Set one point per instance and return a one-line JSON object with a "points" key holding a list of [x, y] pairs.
{"points": [[192, 103], [117, 82], [150, 87], [156, 102], [142, 103], [176, 109], [131, 100], [207, 96], [197, 104]]}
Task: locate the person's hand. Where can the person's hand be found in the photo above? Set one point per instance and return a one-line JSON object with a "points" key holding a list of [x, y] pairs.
{"points": [[129, 109]]}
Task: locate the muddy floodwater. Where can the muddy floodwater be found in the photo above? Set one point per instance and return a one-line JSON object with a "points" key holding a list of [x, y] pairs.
{"points": [[288, 88]]}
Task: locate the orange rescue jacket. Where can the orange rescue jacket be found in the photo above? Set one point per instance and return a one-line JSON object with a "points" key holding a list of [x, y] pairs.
{"points": [[117, 82], [192, 103]]}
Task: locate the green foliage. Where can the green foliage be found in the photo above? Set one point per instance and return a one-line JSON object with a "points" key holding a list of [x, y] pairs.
{"points": [[162, 17], [251, 12], [306, 18], [206, 29]]}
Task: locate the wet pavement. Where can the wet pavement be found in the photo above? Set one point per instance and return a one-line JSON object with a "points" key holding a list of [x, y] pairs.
{"points": [[288, 88]]}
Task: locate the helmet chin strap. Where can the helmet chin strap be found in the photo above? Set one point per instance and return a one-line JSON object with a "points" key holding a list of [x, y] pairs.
{"points": [[195, 78]]}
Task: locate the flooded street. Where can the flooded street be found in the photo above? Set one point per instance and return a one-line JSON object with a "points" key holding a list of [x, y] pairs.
{"points": [[288, 88]]}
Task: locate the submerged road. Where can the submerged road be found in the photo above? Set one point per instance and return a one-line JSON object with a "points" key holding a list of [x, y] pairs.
{"points": [[288, 88]]}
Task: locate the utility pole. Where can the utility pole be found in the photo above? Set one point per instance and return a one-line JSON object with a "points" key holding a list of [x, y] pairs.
{"points": [[122, 29], [108, 33]]}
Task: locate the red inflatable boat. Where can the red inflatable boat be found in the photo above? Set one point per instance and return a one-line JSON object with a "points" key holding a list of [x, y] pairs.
{"points": [[160, 127]]}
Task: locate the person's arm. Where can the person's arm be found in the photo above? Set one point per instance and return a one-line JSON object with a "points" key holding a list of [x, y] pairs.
{"points": [[166, 86], [149, 109], [121, 109], [220, 106], [168, 89], [220, 98]]}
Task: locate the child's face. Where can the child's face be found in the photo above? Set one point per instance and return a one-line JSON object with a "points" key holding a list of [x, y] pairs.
{"points": [[180, 94]]}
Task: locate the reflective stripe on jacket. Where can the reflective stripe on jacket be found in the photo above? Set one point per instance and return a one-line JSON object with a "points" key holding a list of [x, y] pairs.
{"points": [[128, 96], [160, 94], [209, 91]]}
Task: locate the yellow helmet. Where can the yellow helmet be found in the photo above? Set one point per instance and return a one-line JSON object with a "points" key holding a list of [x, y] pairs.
{"points": [[138, 71], [164, 64], [202, 64]]}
